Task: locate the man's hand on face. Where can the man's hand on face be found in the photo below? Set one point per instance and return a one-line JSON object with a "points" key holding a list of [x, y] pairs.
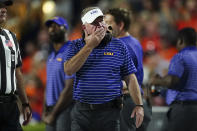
{"points": [[95, 38]]}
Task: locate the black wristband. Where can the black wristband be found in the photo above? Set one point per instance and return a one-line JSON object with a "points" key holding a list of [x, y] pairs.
{"points": [[25, 105], [140, 106]]}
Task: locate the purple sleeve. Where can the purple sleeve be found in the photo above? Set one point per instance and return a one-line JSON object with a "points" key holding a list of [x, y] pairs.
{"points": [[176, 66], [128, 66]]}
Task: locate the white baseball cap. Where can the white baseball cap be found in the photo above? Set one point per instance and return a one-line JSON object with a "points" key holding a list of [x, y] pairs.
{"points": [[91, 15]]}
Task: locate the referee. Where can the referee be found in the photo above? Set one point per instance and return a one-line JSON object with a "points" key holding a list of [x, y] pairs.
{"points": [[11, 80]]}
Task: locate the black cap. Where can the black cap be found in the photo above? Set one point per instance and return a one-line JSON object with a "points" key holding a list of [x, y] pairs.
{"points": [[6, 2]]}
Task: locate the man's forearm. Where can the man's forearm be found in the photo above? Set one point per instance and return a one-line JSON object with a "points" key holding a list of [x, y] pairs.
{"points": [[167, 81], [65, 98], [134, 89], [20, 86], [76, 62]]}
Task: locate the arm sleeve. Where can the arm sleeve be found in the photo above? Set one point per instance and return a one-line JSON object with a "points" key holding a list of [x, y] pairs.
{"points": [[176, 66], [69, 53], [18, 62], [128, 66], [72, 50]]}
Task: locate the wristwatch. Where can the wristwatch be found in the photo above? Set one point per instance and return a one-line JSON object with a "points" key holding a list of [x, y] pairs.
{"points": [[140, 106]]}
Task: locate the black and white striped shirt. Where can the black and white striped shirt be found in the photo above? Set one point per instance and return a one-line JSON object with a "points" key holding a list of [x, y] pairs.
{"points": [[10, 59]]}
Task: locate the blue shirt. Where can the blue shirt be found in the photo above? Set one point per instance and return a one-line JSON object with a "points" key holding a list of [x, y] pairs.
{"points": [[55, 74], [99, 79], [184, 66], [171, 96], [136, 53]]}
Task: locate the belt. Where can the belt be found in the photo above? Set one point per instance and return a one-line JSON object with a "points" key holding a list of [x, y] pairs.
{"points": [[185, 102], [7, 98], [116, 103]]}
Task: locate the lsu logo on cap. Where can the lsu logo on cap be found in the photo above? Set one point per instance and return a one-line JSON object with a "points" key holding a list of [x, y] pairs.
{"points": [[93, 12], [91, 15]]}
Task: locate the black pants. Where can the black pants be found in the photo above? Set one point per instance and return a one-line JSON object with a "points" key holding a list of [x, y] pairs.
{"points": [[182, 117], [126, 122], [85, 119], [63, 121], [9, 117]]}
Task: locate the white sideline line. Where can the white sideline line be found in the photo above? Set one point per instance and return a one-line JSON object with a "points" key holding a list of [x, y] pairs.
{"points": [[157, 109]]}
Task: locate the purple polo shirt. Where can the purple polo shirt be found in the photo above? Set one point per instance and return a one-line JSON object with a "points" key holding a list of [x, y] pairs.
{"points": [[55, 74], [184, 66]]}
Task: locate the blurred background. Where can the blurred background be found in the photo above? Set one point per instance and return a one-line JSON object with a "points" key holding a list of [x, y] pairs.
{"points": [[154, 23]]}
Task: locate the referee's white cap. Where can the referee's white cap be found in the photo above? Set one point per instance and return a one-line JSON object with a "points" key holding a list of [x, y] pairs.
{"points": [[91, 15]]}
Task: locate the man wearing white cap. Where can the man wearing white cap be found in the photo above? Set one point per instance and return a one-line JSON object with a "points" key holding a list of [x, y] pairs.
{"points": [[100, 63]]}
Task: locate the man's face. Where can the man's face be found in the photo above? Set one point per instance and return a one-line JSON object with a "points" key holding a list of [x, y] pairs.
{"points": [[3, 13], [56, 33], [109, 20], [97, 23]]}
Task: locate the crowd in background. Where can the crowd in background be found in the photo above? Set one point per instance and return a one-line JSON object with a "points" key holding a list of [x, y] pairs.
{"points": [[154, 23]]}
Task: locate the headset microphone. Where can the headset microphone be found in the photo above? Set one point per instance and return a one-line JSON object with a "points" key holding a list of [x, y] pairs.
{"points": [[109, 27]]}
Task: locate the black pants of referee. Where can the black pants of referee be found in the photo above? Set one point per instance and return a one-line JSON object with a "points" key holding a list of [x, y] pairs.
{"points": [[182, 117], [85, 118], [126, 122], [9, 117]]}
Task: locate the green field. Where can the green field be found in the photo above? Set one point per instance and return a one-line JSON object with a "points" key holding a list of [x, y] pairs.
{"points": [[36, 127]]}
